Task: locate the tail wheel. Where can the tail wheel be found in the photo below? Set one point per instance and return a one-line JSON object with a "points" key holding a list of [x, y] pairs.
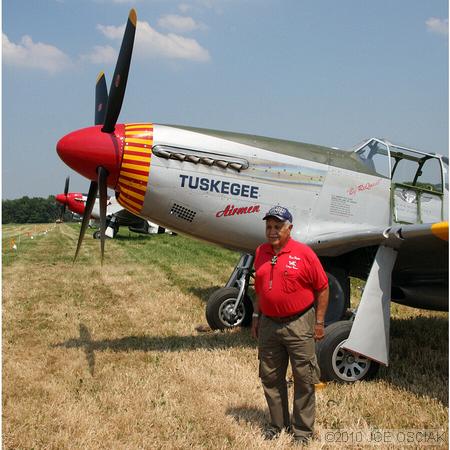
{"points": [[337, 363], [220, 312]]}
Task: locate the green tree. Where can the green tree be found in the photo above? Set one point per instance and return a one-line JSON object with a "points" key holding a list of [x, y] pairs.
{"points": [[30, 210]]}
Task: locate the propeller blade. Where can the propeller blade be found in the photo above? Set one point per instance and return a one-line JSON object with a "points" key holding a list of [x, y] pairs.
{"points": [[66, 187], [101, 99], [64, 205], [102, 175], [63, 211], [119, 80], [93, 188]]}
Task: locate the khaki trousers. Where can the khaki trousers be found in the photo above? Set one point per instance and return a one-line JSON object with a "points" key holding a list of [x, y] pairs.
{"points": [[278, 344]]}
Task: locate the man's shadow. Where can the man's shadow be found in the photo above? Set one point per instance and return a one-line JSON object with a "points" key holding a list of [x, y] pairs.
{"points": [[252, 416]]}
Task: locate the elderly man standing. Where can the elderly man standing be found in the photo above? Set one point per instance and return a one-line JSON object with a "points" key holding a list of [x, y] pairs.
{"points": [[292, 298]]}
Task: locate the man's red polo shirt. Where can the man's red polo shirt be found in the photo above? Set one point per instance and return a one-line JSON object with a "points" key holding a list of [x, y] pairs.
{"points": [[287, 287]]}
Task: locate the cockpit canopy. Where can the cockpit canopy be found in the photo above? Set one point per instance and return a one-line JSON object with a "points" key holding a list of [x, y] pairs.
{"points": [[418, 179], [403, 165]]}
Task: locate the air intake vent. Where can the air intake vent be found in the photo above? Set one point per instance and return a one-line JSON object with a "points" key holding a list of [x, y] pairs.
{"points": [[182, 212]]}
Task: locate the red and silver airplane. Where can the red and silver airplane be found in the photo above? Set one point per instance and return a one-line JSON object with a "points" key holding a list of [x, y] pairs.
{"points": [[378, 212], [116, 215]]}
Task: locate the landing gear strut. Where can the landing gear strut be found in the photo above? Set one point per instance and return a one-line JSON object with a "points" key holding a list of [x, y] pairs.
{"points": [[112, 228], [231, 306]]}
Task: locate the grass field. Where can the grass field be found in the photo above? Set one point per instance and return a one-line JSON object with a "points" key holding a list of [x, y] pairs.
{"points": [[108, 357]]}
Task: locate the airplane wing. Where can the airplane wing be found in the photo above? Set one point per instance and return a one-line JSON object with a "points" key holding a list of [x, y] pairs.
{"points": [[411, 263], [126, 218], [420, 273], [418, 235]]}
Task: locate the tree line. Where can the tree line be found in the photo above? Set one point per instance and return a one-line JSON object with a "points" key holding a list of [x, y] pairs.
{"points": [[32, 210]]}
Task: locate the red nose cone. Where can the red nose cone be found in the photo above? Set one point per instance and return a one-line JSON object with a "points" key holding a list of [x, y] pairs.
{"points": [[86, 149]]}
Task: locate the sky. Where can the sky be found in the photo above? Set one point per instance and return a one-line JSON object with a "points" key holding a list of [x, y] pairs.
{"points": [[324, 72]]}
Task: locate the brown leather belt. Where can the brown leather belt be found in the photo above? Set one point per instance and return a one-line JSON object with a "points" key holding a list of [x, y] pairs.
{"points": [[287, 319]]}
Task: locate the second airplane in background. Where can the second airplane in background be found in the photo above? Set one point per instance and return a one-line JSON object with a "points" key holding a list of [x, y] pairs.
{"points": [[116, 215]]}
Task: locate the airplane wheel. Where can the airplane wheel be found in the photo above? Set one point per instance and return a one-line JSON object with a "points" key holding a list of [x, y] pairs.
{"points": [[161, 230], [96, 234], [338, 364], [339, 297], [219, 310]]}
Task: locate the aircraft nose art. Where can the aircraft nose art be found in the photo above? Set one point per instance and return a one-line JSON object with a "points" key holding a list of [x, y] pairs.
{"points": [[135, 168]]}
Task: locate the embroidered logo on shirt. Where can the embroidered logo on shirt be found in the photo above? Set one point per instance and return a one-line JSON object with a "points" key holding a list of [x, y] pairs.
{"points": [[292, 263]]}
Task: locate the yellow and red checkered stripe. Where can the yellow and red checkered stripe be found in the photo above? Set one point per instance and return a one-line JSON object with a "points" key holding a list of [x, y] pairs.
{"points": [[135, 168]]}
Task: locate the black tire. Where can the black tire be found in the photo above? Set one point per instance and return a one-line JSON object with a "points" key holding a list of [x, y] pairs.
{"points": [[219, 306], [161, 230], [96, 234], [337, 364], [339, 298]]}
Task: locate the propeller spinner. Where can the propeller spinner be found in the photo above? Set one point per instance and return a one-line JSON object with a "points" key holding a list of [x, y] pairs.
{"points": [[96, 152]]}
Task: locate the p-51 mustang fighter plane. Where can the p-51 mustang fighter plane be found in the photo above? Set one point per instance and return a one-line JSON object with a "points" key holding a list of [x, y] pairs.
{"points": [[116, 215], [376, 212]]}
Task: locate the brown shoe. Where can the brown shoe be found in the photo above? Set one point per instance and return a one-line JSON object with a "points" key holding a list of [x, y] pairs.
{"points": [[301, 441], [271, 433]]}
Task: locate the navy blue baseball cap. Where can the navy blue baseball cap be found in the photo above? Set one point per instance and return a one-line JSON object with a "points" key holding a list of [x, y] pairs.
{"points": [[280, 213]]}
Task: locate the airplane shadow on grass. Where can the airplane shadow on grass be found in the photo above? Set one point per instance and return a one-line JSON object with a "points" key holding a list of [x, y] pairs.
{"points": [[209, 341], [418, 351]]}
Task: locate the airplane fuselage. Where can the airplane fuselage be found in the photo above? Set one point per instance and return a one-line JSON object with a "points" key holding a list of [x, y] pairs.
{"points": [[226, 205], [217, 186]]}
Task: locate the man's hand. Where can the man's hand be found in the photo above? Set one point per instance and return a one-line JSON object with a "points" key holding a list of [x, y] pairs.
{"points": [[319, 331], [255, 326]]}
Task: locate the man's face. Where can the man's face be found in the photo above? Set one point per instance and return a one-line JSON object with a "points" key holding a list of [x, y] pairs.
{"points": [[277, 232]]}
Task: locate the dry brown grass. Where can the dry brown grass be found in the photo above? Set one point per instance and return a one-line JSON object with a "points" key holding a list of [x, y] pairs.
{"points": [[108, 358]]}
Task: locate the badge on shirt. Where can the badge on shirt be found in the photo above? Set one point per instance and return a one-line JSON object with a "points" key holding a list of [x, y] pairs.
{"points": [[292, 263]]}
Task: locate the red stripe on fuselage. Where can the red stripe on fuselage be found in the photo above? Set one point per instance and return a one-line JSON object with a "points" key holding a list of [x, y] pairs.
{"points": [[134, 162], [137, 172], [144, 155], [134, 189], [123, 179]]}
